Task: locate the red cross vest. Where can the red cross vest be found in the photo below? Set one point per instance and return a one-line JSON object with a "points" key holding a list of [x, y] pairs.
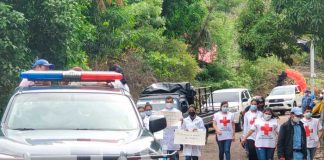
{"points": [[224, 124], [249, 119], [266, 133], [312, 126]]}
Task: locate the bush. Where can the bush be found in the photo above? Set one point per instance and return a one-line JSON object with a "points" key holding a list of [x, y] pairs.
{"points": [[264, 73], [14, 54]]}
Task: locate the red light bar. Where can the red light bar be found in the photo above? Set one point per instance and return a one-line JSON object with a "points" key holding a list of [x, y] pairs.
{"points": [[100, 76]]}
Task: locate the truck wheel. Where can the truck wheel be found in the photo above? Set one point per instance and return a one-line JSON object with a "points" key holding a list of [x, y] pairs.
{"points": [[239, 125]]}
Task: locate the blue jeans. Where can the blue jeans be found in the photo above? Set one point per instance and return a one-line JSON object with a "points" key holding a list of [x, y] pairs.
{"points": [[298, 155], [265, 153], [191, 158], [310, 153], [224, 148]]}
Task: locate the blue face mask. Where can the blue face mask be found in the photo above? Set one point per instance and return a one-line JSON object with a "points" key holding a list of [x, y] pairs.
{"points": [[148, 113], [225, 109], [253, 107], [308, 115]]}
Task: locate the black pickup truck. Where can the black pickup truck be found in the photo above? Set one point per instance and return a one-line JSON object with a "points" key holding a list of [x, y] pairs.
{"points": [[183, 93]]}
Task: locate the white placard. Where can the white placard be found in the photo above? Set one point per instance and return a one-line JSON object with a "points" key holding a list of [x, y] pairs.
{"points": [[172, 118], [190, 137]]}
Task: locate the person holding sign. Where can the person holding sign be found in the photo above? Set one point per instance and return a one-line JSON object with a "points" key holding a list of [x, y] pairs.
{"points": [[168, 133], [224, 126], [249, 119], [267, 130], [313, 131], [192, 123]]}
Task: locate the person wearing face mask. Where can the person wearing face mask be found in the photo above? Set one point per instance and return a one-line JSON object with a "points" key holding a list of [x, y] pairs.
{"points": [[223, 123], [292, 137], [168, 133], [249, 119], [266, 130], [148, 113], [192, 123], [141, 112], [313, 131]]}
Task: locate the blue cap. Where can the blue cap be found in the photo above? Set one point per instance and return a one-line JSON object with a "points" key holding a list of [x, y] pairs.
{"points": [[297, 111], [43, 62]]}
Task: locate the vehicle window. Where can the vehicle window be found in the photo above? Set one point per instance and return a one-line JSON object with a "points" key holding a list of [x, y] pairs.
{"points": [[297, 90], [242, 95], [225, 96], [282, 91], [157, 104], [247, 95], [72, 111]]}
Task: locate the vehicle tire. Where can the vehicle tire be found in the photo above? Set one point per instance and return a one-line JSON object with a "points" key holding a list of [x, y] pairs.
{"points": [[295, 104], [282, 112], [239, 125]]}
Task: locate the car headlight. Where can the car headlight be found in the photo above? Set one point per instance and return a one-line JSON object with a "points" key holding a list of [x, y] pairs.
{"points": [[267, 100], [9, 157], [288, 99]]}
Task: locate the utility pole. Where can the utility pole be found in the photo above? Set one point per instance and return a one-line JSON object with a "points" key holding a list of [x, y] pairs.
{"points": [[312, 68]]}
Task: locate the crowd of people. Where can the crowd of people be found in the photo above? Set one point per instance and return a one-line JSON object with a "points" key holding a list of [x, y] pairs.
{"points": [[296, 139]]}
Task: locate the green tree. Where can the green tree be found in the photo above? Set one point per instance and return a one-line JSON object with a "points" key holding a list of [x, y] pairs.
{"points": [[263, 33], [57, 30], [305, 18], [183, 16], [14, 54]]}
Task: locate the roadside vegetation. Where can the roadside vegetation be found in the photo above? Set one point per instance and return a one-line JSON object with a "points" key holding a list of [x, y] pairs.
{"points": [[159, 40]]}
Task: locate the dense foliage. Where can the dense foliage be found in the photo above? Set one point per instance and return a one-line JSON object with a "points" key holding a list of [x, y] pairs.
{"points": [[159, 39], [14, 53]]}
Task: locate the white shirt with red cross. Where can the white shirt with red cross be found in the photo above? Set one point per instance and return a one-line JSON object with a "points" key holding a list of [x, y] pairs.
{"points": [[224, 124], [312, 126], [249, 119], [266, 132]]}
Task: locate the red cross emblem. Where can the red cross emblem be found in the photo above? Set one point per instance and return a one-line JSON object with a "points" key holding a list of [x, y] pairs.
{"points": [[224, 121], [266, 129], [252, 121], [308, 131]]}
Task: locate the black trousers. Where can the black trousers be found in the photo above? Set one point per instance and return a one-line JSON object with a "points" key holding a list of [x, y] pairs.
{"points": [[251, 149]]}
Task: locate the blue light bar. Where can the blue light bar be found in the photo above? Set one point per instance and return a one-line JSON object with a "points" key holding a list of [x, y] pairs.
{"points": [[42, 75], [94, 76]]}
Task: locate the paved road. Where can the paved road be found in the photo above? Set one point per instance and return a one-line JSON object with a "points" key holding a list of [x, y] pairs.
{"points": [[210, 151]]}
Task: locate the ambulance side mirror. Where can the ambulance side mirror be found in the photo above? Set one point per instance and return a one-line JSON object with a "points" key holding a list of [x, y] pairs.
{"points": [[157, 123]]}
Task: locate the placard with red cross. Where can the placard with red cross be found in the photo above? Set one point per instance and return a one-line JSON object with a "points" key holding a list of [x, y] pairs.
{"points": [[225, 121], [266, 129]]}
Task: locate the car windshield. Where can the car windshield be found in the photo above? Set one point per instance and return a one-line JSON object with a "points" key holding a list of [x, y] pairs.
{"points": [[157, 104], [282, 91], [72, 111], [224, 96]]}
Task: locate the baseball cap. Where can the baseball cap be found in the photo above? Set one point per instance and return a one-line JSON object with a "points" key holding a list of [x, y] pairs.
{"points": [[297, 111], [43, 62]]}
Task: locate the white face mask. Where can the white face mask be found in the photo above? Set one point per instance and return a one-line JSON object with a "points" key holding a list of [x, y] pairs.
{"points": [[296, 119], [267, 117], [169, 105]]}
